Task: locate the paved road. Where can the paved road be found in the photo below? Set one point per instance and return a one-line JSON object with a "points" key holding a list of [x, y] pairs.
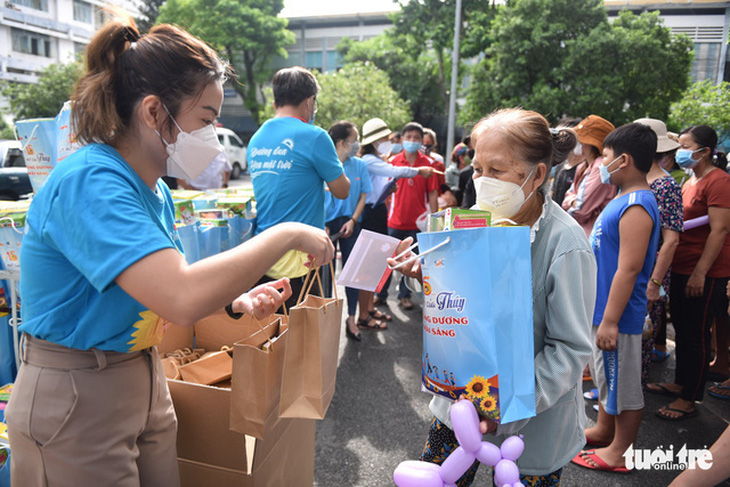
{"points": [[379, 417]]}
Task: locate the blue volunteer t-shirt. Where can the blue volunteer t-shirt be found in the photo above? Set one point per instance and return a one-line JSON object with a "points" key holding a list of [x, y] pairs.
{"points": [[605, 240], [357, 172], [289, 161], [93, 219]]}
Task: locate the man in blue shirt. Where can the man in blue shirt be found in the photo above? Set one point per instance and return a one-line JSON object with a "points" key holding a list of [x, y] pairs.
{"points": [[290, 160]]}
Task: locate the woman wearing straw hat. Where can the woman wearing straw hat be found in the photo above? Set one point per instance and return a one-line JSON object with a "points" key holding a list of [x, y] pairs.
{"points": [[375, 147]]}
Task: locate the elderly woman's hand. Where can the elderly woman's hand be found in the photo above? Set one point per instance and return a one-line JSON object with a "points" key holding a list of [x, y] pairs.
{"points": [[412, 268]]}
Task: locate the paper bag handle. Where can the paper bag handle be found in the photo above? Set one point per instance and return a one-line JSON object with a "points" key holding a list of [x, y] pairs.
{"points": [[308, 287]]}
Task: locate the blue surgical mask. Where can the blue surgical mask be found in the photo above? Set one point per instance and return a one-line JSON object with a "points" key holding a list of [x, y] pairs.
{"points": [[397, 148], [685, 158], [605, 173], [411, 146]]}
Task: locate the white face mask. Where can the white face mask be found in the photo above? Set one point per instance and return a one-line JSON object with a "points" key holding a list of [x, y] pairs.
{"points": [[502, 199], [384, 148], [192, 152], [354, 148]]}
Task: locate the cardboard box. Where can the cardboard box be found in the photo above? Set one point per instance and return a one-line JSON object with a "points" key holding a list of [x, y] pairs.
{"points": [[284, 466], [209, 452]]}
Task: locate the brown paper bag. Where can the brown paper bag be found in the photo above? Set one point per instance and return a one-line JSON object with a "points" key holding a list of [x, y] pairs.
{"points": [[258, 362], [310, 364], [209, 369]]}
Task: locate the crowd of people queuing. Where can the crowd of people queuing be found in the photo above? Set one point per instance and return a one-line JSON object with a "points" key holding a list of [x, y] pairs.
{"points": [[605, 206]]}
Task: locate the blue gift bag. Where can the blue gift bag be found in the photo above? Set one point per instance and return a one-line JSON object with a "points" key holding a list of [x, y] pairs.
{"points": [[477, 319]]}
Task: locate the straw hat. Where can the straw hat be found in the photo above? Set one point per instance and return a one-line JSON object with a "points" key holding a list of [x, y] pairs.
{"points": [[592, 130], [663, 142], [373, 130]]}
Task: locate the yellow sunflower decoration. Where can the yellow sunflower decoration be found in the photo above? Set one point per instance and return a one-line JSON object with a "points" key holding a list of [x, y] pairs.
{"points": [[149, 331], [478, 386], [488, 404]]}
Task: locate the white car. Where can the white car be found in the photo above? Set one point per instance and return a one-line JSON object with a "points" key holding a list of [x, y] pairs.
{"points": [[235, 150]]}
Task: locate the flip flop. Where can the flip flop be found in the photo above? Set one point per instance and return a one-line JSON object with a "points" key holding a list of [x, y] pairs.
{"points": [[599, 444], [379, 315], [717, 394], [580, 460], [661, 390], [683, 415], [659, 356], [371, 324], [591, 395]]}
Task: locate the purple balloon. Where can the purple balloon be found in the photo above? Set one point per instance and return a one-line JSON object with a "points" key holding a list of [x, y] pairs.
{"points": [[456, 465], [489, 454], [506, 472], [512, 448], [418, 474], [696, 222], [465, 421]]}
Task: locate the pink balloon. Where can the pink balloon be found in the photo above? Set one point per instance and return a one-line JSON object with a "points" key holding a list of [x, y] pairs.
{"points": [[456, 465], [418, 474], [512, 448], [465, 421], [489, 454], [506, 472]]}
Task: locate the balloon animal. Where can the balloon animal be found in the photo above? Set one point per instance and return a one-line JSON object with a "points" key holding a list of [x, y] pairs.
{"points": [[465, 420]]}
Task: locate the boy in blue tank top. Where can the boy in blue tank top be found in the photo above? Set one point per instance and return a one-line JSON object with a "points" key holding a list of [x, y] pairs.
{"points": [[624, 241]]}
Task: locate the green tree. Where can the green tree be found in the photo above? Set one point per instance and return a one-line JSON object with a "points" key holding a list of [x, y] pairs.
{"points": [[416, 52], [6, 131], [357, 92], [527, 49], [641, 69], [247, 32], [703, 103], [563, 57], [149, 10], [46, 97]]}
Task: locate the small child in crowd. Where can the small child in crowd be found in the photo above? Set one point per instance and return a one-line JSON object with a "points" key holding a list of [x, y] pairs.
{"points": [[624, 241]]}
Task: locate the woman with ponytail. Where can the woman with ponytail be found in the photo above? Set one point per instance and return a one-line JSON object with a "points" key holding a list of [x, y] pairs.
{"points": [[102, 269]]}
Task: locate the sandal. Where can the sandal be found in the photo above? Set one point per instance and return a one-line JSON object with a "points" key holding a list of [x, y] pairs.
{"points": [[717, 391], [658, 356], [371, 324], [379, 315], [661, 390], [682, 413]]}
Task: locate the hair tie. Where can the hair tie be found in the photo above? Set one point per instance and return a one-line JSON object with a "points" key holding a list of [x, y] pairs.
{"points": [[130, 35], [554, 132]]}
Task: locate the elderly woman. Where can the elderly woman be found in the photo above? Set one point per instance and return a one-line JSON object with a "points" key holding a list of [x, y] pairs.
{"points": [[514, 152]]}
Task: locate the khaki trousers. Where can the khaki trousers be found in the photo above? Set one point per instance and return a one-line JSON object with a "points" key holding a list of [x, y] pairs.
{"points": [[91, 418]]}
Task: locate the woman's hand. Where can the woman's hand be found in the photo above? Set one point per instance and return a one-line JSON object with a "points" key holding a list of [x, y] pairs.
{"points": [[425, 171], [695, 286], [264, 299], [412, 269], [652, 292], [347, 229], [313, 241], [486, 425]]}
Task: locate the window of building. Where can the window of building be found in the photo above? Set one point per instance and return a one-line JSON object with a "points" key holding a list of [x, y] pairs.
{"points": [[334, 60], [83, 11], [314, 60], [706, 61], [36, 4], [79, 48], [30, 42]]}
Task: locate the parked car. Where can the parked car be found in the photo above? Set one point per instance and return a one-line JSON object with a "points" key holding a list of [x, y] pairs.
{"points": [[235, 150], [14, 180]]}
